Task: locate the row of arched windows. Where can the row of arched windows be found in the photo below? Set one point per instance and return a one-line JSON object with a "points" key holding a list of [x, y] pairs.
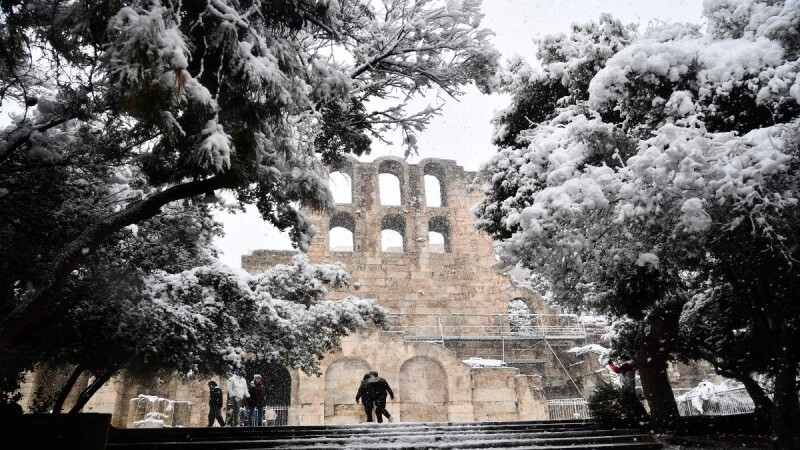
{"points": [[390, 188], [341, 234]]}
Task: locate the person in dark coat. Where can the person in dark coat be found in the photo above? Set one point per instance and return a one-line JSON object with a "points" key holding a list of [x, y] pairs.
{"points": [[215, 404], [256, 402], [366, 400], [373, 396]]}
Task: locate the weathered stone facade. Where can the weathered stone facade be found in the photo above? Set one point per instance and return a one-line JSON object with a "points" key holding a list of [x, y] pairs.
{"points": [[421, 287], [416, 281]]}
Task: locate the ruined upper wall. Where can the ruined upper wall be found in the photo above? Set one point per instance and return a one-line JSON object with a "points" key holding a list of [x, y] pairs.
{"points": [[417, 280]]}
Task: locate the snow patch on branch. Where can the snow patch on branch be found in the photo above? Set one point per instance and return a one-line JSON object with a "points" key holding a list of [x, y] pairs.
{"points": [[215, 149]]}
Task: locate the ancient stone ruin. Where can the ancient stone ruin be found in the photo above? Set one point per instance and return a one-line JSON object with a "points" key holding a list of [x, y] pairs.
{"points": [[465, 344], [447, 305]]}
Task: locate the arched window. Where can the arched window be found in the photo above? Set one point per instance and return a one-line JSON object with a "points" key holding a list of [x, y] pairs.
{"points": [[434, 186], [435, 242], [341, 235], [341, 186], [393, 232], [433, 192], [438, 235], [339, 387], [519, 319], [389, 188], [390, 182]]}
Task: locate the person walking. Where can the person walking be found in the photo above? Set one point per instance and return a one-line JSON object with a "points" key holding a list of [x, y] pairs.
{"points": [[257, 401], [366, 399], [215, 404], [237, 391], [374, 396]]}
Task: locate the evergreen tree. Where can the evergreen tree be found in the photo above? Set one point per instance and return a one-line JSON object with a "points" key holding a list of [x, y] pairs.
{"points": [[129, 114], [675, 177]]}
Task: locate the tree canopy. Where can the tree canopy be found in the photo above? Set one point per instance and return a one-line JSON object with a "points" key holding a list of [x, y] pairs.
{"points": [[667, 196], [129, 116]]}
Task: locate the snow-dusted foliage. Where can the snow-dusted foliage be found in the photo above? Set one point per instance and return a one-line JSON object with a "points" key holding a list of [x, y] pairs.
{"points": [[602, 353], [215, 314], [568, 64], [130, 111], [676, 178]]}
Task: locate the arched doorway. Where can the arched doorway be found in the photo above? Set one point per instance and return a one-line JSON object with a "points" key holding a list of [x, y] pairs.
{"points": [[423, 391], [342, 380], [278, 383]]}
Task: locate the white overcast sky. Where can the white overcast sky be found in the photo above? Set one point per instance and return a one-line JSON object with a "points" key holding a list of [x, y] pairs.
{"points": [[463, 131]]}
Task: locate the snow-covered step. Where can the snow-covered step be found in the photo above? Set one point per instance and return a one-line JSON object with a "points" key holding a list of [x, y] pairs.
{"points": [[390, 437], [517, 435], [254, 432]]}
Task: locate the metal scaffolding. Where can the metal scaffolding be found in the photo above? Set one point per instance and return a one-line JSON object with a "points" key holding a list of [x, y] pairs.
{"points": [[518, 335], [483, 327]]}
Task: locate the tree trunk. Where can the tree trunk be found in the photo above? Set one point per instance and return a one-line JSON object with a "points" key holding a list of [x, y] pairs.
{"points": [[652, 362], [658, 392], [92, 389], [785, 407], [763, 405], [62, 396]]}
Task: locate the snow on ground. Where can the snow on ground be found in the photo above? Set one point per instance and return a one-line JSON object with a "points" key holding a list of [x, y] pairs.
{"points": [[482, 362]]}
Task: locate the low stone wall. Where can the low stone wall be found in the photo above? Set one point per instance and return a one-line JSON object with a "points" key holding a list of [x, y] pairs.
{"points": [[494, 394]]}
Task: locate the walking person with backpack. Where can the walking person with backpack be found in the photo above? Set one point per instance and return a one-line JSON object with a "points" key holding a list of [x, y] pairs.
{"points": [[365, 398]]}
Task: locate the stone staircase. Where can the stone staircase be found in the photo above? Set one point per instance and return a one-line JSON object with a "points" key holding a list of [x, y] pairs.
{"points": [[549, 435]]}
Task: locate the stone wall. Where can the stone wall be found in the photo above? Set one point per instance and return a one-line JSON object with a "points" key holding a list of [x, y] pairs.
{"points": [[430, 381], [416, 281]]}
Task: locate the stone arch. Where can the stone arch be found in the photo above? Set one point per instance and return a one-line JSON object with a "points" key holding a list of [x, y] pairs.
{"points": [[423, 390], [340, 182], [433, 171], [390, 173], [338, 227], [393, 223], [278, 384], [440, 226], [342, 379], [519, 319]]}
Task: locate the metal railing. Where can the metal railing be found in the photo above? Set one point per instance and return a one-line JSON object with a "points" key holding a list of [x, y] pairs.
{"points": [[568, 408], [277, 415], [734, 401], [443, 327], [274, 416]]}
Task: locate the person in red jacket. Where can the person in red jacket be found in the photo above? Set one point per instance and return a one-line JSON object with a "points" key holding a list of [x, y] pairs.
{"points": [[626, 371]]}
